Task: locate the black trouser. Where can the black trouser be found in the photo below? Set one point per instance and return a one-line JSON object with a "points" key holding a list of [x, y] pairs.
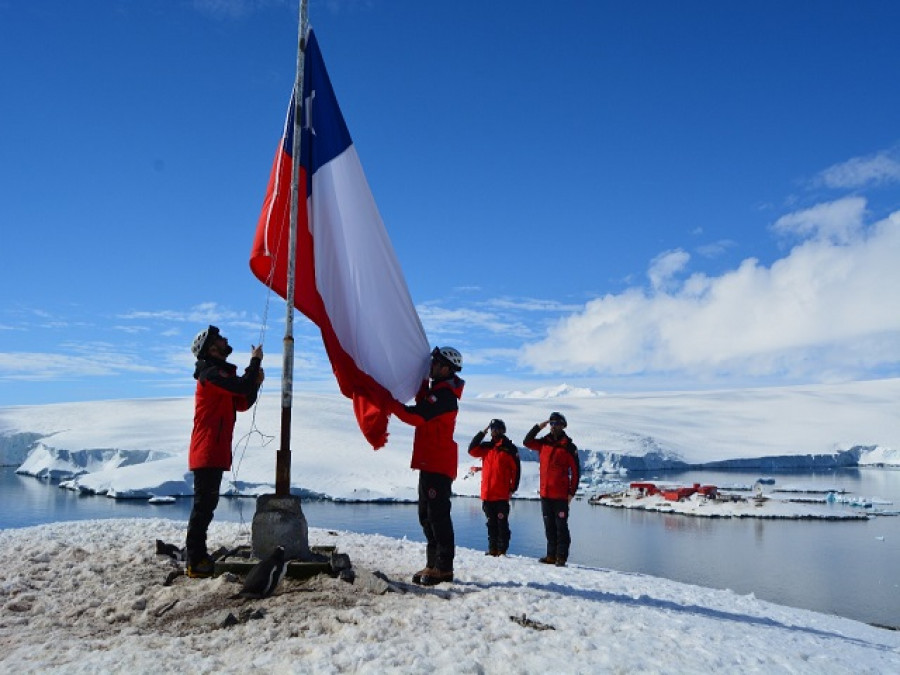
{"points": [[556, 526], [206, 497], [497, 513], [434, 516]]}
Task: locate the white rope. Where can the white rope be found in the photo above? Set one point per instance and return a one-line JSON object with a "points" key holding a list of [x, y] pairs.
{"points": [[240, 446]]}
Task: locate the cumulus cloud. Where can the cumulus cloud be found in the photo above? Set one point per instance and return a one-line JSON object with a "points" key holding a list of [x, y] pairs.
{"points": [[829, 309]]}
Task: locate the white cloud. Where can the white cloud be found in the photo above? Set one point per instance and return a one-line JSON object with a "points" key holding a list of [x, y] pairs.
{"points": [[839, 221], [716, 248], [441, 321], [665, 266], [490, 356], [131, 329], [862, 171], [531, 305], [829, 309], [204, 313], [34, 366]]}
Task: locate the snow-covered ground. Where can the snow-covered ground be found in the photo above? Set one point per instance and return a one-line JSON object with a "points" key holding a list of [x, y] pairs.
{"points": [[90, 597], [132, 448]]}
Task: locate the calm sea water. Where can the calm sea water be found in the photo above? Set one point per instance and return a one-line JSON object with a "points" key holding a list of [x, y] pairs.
{"points": [[850, 569]]}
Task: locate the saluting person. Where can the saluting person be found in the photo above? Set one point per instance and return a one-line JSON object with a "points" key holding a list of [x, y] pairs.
{"points": [[500, 473], [560, 472]]}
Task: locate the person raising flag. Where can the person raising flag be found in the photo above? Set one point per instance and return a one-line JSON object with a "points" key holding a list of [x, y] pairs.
{"points": [[435, 456], [221, 393]]}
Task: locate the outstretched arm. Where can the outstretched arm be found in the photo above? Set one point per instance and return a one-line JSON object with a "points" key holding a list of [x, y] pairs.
{"points": [[436, 403]]}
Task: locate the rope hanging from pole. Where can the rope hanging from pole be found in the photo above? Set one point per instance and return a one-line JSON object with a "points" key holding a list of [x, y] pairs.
{"points": [[238, 451]]}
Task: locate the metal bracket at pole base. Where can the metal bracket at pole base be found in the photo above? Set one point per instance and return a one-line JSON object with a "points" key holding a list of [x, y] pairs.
{"points": [[279, 521]]}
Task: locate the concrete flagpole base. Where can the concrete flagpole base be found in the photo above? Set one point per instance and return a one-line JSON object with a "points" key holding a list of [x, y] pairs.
{"points": [[279, 521]]}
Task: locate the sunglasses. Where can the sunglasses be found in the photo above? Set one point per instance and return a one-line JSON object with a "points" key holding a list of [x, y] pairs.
{"points": [[556, 423]]}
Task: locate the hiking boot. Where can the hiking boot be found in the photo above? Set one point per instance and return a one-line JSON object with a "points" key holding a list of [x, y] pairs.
{"points": [[202, 569], [560, 562], [494, 552], [548, 560], [435, 577], [425, 571]]}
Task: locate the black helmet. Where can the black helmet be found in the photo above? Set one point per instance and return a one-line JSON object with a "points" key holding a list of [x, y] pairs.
{"points": [[497, 424], [559, 417]]}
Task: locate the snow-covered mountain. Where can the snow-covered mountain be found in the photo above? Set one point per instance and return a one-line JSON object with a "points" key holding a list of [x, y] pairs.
{"points": [[132, 448]]}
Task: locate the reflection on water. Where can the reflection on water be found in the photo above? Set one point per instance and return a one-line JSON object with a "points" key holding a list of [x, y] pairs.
{"points": [[845, 568]]}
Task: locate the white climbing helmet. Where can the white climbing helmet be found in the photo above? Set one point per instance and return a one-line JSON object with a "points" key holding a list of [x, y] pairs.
{"points": [[203, 337], [450, 356]]}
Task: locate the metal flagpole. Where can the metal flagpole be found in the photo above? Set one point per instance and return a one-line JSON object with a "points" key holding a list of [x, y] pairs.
{"points": [[283, 460], [279, 519]]}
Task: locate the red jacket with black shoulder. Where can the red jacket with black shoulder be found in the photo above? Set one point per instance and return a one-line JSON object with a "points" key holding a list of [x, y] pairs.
{"points": [[500, 467], [560, 470], [219, 396], [434, 417]]}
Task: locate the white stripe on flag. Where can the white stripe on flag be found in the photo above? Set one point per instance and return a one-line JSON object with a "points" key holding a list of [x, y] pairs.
{"points": [[360, 280]]}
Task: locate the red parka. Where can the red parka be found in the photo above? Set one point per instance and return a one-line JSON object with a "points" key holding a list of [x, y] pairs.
{"points": [[219, 396], [500, 467], [560, 470], [434, 417]]}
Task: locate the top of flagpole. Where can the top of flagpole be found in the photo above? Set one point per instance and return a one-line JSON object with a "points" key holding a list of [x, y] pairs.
{"points": [[303, 28]]}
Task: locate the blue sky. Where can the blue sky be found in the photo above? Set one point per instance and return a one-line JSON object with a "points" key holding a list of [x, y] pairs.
{"points": [[624, 196]]}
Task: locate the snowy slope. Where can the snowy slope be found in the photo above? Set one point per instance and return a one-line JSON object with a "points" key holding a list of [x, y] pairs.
{"points": [[90, 597]]}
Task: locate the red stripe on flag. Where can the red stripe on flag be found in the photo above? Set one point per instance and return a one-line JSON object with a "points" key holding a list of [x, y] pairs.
{"points": [[269, 263]]}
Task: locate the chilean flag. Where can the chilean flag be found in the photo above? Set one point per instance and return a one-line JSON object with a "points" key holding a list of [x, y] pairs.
{"points": [[348, 281]]}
